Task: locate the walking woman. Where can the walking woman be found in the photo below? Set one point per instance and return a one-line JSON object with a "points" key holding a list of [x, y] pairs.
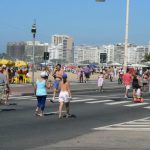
{"points": [[64, 96], [41, 93]]}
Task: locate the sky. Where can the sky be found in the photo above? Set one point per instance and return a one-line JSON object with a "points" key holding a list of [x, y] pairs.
{"points": [[86, 21]]}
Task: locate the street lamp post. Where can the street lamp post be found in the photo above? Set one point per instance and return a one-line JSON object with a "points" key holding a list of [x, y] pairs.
{"points": [[126, 37], [125, 64], [33, 30]]}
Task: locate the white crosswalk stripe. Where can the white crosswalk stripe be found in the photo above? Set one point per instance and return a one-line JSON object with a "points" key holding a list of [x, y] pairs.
{"points": [[100, 101], [118, 102], [136, 104], [91, 100], [135, 125], [82, 100]]}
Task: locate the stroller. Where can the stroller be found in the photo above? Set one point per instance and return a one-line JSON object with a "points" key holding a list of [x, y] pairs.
{"points": [[138, 96]]}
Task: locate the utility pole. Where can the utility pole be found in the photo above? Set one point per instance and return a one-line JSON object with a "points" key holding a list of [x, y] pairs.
{"points": [[33, 30]]}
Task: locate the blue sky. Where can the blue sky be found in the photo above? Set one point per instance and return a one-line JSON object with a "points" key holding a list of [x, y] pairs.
{"points": [[87, 21]]}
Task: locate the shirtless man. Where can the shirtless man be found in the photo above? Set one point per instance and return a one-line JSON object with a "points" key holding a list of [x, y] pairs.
{"points": [[57, 74], [64, 96]]}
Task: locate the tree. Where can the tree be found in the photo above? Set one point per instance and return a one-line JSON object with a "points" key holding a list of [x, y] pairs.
{"points": [[147, 57]]}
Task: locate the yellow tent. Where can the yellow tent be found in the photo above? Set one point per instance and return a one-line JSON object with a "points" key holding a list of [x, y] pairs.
{"points": [[6, 62], [20, 63]]}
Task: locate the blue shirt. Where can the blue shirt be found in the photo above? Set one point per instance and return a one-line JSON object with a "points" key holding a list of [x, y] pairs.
{"points": [[41, 88]]}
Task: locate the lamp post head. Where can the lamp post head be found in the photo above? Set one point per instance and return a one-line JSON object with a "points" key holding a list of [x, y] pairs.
{"points": [[33, 30]]}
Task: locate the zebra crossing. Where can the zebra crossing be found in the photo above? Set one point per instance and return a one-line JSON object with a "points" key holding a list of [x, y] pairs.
{"points": [[93, 100], [135, 125]]}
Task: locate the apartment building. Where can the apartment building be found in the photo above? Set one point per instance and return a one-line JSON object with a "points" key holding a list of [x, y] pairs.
{"points": [[67, 43], [16, 50], [40, 48]]}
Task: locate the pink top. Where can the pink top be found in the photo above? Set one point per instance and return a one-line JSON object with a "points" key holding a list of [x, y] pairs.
{"points": [[127, 78]]}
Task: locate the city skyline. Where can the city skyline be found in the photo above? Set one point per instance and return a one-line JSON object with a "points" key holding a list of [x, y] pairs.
{"points": [[87, 21]]}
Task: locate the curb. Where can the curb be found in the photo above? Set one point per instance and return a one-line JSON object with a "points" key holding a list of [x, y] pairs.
{"points": [[73, 91]]}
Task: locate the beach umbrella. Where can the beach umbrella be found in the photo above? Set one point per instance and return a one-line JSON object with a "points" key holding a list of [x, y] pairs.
{"points": [[4, 61], [115, 64], [138, 65], [20, 63]]}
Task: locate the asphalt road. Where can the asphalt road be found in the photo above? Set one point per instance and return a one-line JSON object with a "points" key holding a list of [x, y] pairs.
{"points": [[20, 129]]}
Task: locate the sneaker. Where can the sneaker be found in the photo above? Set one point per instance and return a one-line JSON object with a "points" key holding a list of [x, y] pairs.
{"points": [[125, 97], [68, 115], [60, 117], [52, 100]]}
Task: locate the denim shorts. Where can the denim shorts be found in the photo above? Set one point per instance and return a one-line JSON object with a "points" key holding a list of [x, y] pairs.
{"points": [[56, 84]]}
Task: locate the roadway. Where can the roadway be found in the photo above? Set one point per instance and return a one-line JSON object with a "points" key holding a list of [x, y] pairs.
{"points": [[100, 118]]}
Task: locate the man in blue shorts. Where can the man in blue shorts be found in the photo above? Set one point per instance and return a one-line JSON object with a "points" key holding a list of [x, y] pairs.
{"points": [[57, 74]]}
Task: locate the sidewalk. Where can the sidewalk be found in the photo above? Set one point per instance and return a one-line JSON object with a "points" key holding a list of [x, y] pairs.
{"points": [[28, 89], [104, 140]]}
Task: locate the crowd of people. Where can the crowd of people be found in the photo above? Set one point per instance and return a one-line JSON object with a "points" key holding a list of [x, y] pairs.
{"points": [[138, 79]]}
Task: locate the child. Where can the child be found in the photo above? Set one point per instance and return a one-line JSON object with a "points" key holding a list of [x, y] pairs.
{"points": [[64, 96], [100, 82], [137, 94]]}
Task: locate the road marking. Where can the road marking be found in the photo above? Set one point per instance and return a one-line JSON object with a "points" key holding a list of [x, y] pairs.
{"points": [[100, 101], [147, 107], [116, 102], [82, 100], [136, 104], [135, 125]]}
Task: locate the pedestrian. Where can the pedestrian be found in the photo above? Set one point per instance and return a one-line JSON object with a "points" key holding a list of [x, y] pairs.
{"points": [[145, 81], [135, 85], [110, 73], [87, 73], [57, 74], [7, 86], [64, 96], [120, 76], [115, 72], [3, 83], [100, 82], [81, 74], [41, 93], [127, 79]]}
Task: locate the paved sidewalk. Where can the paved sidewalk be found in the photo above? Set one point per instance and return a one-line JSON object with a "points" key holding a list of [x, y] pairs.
{"points": [[104, 140], [28, 89]]}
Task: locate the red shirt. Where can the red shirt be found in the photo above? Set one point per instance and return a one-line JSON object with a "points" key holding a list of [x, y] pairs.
{"points": [[127, 78]]}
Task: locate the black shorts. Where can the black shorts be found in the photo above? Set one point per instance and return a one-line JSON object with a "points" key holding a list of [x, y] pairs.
{"points": [[145, 84], [87, 75]]}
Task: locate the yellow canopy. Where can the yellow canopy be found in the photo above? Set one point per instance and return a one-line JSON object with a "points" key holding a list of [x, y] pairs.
{"points": [[20, 63], [6, 62]]}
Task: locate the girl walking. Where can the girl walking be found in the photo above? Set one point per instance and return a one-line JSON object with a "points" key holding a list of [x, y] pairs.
{"points": [[41, 93], [64, 96], [100, 82]]}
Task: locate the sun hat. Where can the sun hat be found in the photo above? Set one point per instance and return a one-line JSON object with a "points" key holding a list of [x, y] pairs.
{"points": [[44, 74]]}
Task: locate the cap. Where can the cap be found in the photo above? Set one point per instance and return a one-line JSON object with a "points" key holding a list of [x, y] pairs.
{"points": [[44, 74], [3, 66], [64, 75]]}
